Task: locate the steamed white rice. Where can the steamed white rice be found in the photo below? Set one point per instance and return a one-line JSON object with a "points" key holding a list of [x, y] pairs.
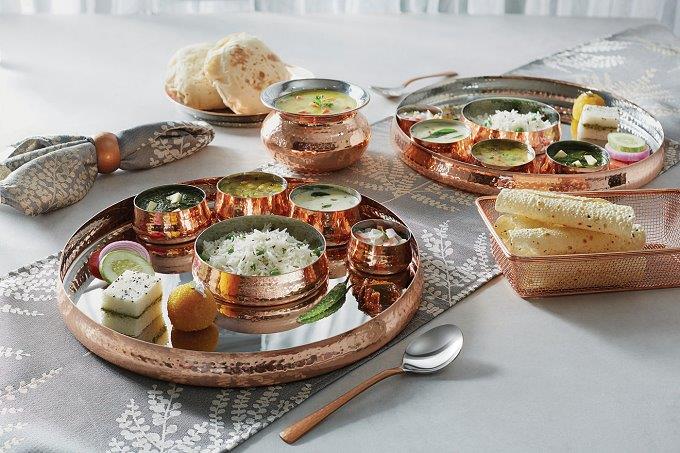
{"points": [[513, 121], [260, 252]]}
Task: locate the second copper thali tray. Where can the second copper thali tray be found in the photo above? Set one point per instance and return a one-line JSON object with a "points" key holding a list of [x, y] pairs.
{"points": [[239, 359], [452, 95]]}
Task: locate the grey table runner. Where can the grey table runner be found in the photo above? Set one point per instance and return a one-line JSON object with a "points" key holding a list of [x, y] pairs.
{"points": [[62, 398]]}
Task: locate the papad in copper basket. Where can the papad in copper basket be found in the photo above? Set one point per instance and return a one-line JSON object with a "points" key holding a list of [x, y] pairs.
{"points": [[656, 266]]}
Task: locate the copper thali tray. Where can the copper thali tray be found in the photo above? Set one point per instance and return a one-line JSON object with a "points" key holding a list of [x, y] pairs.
{"points": [[240, 359], [452, 95]]}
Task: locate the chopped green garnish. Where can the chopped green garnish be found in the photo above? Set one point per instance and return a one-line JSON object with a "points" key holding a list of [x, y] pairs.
{"points": [[322, 102]]}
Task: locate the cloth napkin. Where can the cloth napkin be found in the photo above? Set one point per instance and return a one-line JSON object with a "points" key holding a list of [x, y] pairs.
{"points": [[45, 173]]}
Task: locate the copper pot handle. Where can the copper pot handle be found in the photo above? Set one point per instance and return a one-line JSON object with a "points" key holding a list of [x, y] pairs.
{"points": [[303, 426], [438, 74]]}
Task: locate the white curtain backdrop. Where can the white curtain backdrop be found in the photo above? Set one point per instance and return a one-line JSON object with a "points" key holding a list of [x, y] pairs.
{"points": [[665, 11]]}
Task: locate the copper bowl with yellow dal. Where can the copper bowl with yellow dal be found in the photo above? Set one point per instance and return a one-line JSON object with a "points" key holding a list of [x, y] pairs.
{"points": [[251, 193], [315, 125], [503, 154]]}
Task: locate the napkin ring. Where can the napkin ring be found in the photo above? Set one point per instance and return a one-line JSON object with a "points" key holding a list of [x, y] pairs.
{"points": [[108, 152]]}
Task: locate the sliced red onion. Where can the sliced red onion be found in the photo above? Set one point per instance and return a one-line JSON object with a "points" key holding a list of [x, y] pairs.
{"points": [[130, 246], [625, 156]]}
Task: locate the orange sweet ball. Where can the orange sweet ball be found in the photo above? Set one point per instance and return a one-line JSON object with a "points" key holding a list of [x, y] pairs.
{"points": [[199, 340], [190, 310]]}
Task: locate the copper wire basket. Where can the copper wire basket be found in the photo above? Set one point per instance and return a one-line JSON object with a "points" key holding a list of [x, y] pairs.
{"points": [[656, 266]]}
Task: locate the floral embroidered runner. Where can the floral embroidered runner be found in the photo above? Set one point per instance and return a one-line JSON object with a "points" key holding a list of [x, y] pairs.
{"points": [[63, 398]]}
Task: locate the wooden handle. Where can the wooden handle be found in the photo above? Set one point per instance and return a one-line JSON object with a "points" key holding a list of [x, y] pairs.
{"points": [[108, 152], [439, 74], [303, 426]]}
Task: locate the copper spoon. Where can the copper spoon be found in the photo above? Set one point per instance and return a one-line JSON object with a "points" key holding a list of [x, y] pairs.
{"points": [[396, 92], [430, 352]]}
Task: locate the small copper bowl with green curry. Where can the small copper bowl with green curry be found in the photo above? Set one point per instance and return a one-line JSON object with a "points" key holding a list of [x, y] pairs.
{"points": [[503, 154], [171, 214], [251, 193], [576, 156]]}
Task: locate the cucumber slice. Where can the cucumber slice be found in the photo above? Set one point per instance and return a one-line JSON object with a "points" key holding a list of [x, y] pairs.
{"points": [[119, 261], [627, 143]]}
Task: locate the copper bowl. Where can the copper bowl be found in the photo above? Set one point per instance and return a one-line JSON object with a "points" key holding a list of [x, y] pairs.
{"points": [[261, 291], [280, 318], [229, 205], [459, 149], [474, 114], [336, 225], [500, 144], [174, 227], [406, 122], [315, 143], [559, 168], [379, 259]]}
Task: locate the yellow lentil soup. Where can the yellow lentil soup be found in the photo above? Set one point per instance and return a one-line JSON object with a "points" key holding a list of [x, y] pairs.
{"points": [[316, 102], [502, 153]]}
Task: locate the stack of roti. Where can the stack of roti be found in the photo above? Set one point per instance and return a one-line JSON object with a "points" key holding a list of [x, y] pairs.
{"points": [[535, 223], [230, 73]]}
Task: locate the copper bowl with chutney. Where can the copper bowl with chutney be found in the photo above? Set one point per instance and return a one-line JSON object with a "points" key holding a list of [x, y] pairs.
{"points": [[329, 208], [251, 193], [315, 125]]}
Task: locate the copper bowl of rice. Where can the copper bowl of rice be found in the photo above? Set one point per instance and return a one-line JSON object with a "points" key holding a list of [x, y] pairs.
{"points": [[278, 261]]}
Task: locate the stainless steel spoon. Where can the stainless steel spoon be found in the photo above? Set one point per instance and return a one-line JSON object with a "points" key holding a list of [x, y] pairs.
{"points": [[430, 352], [399, 91]]}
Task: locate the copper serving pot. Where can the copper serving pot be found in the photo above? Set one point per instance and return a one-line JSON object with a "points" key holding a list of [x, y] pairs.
{"points": [[261, 291], [474, 113], [315, 143], [334, 225], [406, 122], [174, 227], [229, 205], [379, 259]]}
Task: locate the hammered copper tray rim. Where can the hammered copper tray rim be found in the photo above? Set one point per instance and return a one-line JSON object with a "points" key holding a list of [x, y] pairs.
{"points": [[591, 193], [136, 355]]}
